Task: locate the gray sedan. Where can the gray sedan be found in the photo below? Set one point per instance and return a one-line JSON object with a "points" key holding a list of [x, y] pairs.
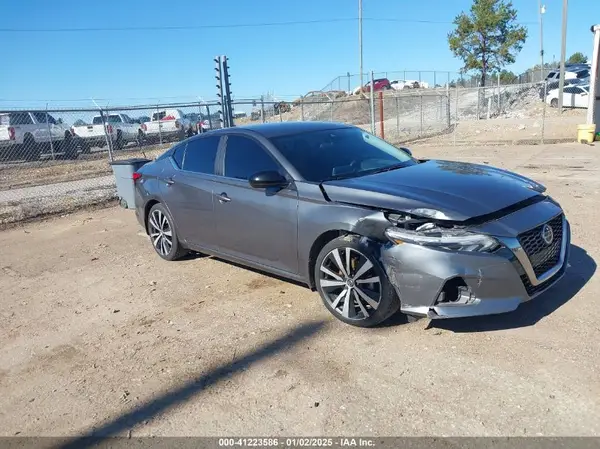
{"points": [[370, 227]]}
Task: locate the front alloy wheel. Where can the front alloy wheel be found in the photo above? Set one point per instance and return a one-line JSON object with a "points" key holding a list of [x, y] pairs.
{"points": [[352, 283]]}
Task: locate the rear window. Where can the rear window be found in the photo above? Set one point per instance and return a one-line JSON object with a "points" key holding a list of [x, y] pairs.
{"points": [[583, 74], [114, 118], [4, 120], [158, 116]]}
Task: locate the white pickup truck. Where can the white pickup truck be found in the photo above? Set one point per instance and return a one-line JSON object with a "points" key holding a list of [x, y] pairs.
{"points": [[28, 135], [120, 128], [168, 124]]}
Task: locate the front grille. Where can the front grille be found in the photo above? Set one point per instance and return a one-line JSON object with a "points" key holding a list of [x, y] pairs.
{"points": [[541, 255], [534, 289]]}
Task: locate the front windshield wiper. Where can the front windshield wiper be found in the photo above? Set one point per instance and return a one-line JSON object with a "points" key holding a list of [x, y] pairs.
{"points": [[366, 172], [384, 169]]}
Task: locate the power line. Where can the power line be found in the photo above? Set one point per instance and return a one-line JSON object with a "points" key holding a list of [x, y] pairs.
{"points": [[238, 25], [176, 27]]}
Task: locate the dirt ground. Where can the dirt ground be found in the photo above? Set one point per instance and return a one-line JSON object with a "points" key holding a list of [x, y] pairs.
{"points": [[100, 335]]}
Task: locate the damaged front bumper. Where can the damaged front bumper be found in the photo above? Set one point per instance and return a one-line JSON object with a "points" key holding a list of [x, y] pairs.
{"points": [[444, 284]]}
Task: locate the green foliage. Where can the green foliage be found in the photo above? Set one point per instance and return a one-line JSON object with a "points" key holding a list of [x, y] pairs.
{"points": [[577, 58], [488, 37], [507, 77]]}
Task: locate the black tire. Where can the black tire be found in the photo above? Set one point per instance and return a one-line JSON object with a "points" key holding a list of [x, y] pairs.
{"points": [[154, 219], [387, 302], [69, 147], [31, 150], [119, 144], [140, 138], [554, 102]]}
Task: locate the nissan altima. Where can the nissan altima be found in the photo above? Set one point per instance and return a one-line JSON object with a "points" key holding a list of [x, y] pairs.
{"points": [[370, 227]]}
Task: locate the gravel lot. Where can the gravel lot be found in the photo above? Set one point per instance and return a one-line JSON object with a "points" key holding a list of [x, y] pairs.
{"points": [[100, 335]]}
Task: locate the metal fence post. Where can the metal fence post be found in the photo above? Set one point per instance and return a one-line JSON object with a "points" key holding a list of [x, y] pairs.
{"points": [[456, 117], [109, 142], [348, 75], [50, 134], [209, 117], [262, 108], [331, 112], [381, 118], [302, 106], [448, 115], [397, 116], [498, 93], [159, 125], [279, 109], [372, 104], [543, 128], [421, 131]]}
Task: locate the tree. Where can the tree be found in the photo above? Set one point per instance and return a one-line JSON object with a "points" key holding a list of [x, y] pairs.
{"points": [[488, 37], [507, 77], [577, 58]]}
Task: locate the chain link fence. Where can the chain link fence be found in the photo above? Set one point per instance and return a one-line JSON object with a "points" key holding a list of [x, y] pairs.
{"points": [[57, 160]]}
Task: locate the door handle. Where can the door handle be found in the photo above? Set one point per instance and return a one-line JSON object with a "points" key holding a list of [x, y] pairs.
{"points": [[169, 182], [223, 198]]}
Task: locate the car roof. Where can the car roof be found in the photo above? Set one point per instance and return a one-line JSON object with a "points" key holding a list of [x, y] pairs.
{"points": [[270, 130]]}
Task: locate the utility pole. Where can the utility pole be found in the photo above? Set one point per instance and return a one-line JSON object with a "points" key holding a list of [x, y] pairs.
{"points": [[563, 56], [360, 43], [542, 11]]}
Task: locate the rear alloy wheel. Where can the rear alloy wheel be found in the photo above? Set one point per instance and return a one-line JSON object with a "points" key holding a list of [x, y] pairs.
{"points": [[554, 102], [352, 283], [162, 234]]}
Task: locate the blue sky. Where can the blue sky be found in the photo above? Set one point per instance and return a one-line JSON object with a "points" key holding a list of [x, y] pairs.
{"points": [[138, 66]]}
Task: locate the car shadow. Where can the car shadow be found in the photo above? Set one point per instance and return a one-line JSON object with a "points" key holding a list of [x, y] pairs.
{"points": [[99, 435], [254, 270], [580, 270]]}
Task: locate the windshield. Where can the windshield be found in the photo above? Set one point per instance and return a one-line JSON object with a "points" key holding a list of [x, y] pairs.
{"points": [[339, 153]]}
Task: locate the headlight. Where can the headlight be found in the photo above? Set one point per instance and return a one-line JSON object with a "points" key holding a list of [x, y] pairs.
{"points": [[451, 239]]}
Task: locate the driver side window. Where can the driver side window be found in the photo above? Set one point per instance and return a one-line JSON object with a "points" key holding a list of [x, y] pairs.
{"points": [[245, 157]]}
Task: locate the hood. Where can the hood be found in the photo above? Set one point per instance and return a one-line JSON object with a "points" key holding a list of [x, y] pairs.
{"points": [[459, 190]]}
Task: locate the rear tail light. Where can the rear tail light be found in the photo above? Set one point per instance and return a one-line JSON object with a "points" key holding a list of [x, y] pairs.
{"points": [[144, 127], [109, 129], [136, 176], [177, 124], [11, 133]]}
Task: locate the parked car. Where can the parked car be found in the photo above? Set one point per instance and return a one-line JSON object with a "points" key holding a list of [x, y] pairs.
{"points": [[28, 135], [546, 87], [575, 96], [370, 227], [379, 84], [409, 84], [119, 128], [569, 74], [168, 124]]}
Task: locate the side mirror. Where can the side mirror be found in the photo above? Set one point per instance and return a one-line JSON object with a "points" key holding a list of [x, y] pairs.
{"points": [[406, 150], [266, 179]]}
